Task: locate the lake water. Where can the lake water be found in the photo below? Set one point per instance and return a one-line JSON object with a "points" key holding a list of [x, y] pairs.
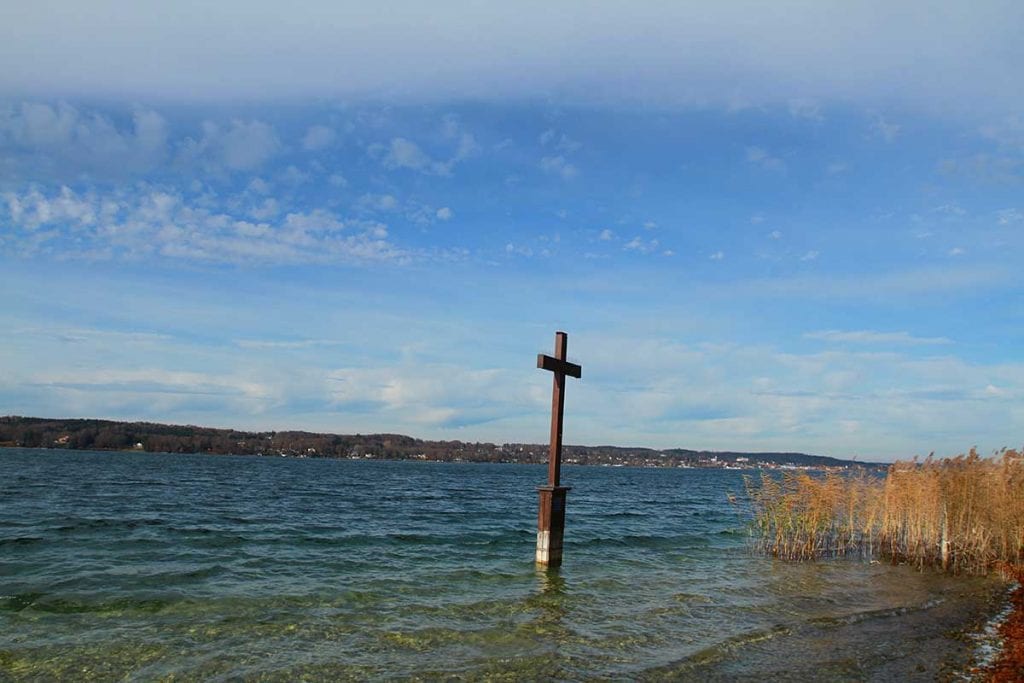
{"points": [[138, 566]]}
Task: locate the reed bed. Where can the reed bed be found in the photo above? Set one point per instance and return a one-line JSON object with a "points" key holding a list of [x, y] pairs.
{"points": [[962, 514]]}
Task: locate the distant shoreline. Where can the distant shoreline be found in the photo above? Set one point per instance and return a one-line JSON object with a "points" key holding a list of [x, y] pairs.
{"points": [[439, 461], [111, 435]]}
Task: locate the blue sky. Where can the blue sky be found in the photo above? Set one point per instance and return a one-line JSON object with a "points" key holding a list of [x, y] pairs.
{"points": [[791, 228]]}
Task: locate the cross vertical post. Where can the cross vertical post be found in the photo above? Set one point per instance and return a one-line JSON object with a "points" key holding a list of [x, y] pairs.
{"points": [[551, 511]]}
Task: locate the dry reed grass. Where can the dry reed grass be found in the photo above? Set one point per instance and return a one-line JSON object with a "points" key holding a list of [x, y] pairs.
{"points": [[962, 514]]}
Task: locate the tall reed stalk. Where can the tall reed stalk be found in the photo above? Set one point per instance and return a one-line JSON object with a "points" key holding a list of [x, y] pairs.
{"points": [[962, 514]]}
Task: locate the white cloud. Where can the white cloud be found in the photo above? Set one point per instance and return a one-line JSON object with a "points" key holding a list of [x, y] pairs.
{"points": [[60, 140], [836, 167], [444, 214], [775, 234], [957, 251], [874, 337], [155, 381], [867, 402], [717, 256], [803, 108], [560, 142], [240, 50], [33, 209], [258, 186], [1009, 216], [291, 175], [641, 246], [466, 145], [40, 125], [269, 344], [268, 208], [1007, 133], [241, 146], [757, 397], [759, 156], [888, 286], [318, 137], [87, 335], [606, 235], [558, 165], [950, 209], [337, 180], [317, 220], [810, 256], [378, 202], [885, 130], [518, 250], [155, 223], [403, 153], [441, 395]]}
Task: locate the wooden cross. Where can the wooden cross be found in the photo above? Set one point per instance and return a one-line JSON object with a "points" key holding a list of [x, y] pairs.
{"points": [[551, 508], [560, 367]]}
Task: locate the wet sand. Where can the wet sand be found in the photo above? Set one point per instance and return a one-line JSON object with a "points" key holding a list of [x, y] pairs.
{"points": [[937, 642], [1009, 665]]}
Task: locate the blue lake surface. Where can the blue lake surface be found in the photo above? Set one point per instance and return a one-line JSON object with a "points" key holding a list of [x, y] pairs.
{"points": [[134, 566]]}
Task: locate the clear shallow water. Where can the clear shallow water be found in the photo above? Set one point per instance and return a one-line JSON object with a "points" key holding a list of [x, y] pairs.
{"points": [[142, 566]]}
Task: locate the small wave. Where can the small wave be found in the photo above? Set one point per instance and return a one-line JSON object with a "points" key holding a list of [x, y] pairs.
{"points": [[714, 653], [20, 540], [16, 603], [867, 615], [416, 539], [646, 541], [40, 602], [103, 523]]}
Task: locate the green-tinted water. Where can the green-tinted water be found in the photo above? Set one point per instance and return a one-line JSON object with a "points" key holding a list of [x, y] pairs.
{"points": [[135, 566]]}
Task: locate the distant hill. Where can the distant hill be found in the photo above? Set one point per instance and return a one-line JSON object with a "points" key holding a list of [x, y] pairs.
{"points": [[38, 432]]}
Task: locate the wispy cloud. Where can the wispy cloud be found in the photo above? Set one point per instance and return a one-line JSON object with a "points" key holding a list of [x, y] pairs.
{"points": [[874, 337], [560, 142], [909, 283], [285, 343], [240, 146], [559, 166], [402, 153], [1009, 216], [884, 130], [161, 223], [759, 156], [318, 137], [803, 108], [641, 246]]}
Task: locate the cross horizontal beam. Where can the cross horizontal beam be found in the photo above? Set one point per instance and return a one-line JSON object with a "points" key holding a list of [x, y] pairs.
{"points": [[546, 362]]}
